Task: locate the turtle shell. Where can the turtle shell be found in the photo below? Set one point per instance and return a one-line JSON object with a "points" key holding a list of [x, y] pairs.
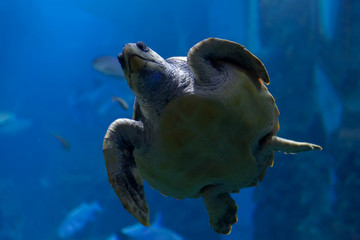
{"points": [[211, 137]]}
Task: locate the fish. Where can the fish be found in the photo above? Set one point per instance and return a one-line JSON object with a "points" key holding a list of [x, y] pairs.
{"points": [[113, 237], [155, 232], [10, 124], [78, 218], [6, 118], [90, 102], [64, 143], [91, 95], [108, 65], [122, 102]]}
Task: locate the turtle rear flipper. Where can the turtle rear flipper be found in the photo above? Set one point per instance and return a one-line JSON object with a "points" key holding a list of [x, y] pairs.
{"points": [[289, 146], [221, 207], [120, 140]]}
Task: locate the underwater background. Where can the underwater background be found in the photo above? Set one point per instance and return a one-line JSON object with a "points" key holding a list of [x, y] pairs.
{"points": [[55, 108]]}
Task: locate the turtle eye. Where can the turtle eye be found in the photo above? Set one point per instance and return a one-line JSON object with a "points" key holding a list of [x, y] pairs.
{"points": [[142, 46]]}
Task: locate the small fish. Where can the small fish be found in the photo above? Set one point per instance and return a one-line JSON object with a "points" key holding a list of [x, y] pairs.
{"points": [[85, 103], [64, 143], [108, 65], [155, 232], [122, 102], [78, 218]]}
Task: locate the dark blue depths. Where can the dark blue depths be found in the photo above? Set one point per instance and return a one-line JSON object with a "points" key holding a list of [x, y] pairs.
{"points": [[55, 109]]}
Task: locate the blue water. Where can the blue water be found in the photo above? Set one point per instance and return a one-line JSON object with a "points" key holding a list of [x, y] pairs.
{"points": [[59, 107]]}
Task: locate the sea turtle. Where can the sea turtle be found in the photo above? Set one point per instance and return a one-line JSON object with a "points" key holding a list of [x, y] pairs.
{"points": [[203, 125]]}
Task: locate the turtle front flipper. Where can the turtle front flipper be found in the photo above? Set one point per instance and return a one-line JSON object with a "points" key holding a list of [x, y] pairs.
{"points": [[221, 207], [206, 57], [122, 136]]}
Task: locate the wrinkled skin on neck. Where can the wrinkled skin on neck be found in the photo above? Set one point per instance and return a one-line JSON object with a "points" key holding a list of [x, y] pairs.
{"points": [[147, 74]]}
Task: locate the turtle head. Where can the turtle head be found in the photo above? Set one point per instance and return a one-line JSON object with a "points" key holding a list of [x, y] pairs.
{"points": [[145, 71]]}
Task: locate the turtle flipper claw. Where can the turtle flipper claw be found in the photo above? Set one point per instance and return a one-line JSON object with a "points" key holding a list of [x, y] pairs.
{"points": [[123, 174]]}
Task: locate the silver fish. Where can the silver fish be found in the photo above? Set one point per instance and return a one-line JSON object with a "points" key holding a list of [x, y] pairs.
{"points": [[78, 218], [122, 102], [108, 65], [10, 124], [155, 232]]}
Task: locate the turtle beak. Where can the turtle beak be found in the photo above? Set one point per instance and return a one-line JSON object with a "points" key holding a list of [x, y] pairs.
{"points": [[121, 60], [121, 56]]}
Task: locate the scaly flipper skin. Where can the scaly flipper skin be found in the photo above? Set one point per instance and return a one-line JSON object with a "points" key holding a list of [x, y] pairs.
{"points": [[121, 138], [221, 207]]}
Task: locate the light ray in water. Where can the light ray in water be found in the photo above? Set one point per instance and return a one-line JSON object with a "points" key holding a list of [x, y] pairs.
{"points": [[253, 43], [328, 10], [328, 101]]}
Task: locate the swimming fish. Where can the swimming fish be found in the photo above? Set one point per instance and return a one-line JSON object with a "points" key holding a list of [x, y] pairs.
{"points": [[122, 102], [155, 232], [89, 101], [78, 218], [113, 237], [10, 124], [108, 65], [64, 143], [6, 118]]}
